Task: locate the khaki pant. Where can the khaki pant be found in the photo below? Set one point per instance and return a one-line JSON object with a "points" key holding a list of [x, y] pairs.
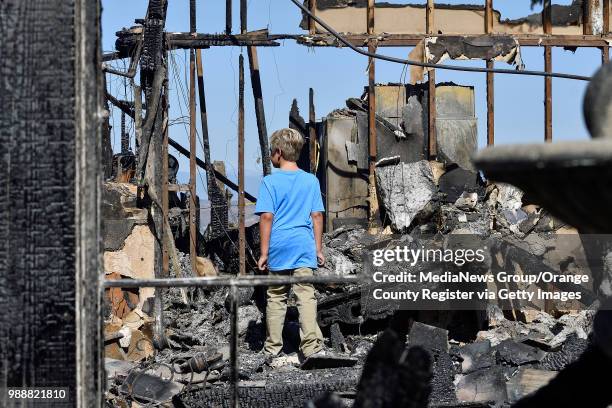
{"points": [[310, 334]]}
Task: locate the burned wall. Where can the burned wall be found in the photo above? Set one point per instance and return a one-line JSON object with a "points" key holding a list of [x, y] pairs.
{"points": [[467, 19]]}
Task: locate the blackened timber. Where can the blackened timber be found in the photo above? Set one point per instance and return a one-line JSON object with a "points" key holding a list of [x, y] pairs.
{"points": [[149, 120], [312, 131], [490, 105], [203, 112], [259, 110], [164, 181], [89, 98], [50, 155], [241, 231], [123, 106], [154, 190], [215, 194], [187, 40], [153, 39], [192, 16], [243, 16], [372, 144], [228, 17], [192, 161], [406, 40], [219, 176], [137, 117]]}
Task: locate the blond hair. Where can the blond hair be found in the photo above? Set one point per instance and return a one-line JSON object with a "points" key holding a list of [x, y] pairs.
{"points": [[289, 142]]}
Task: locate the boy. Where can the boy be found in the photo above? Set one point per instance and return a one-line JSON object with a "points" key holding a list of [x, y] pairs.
{"points": [[291, 228]]}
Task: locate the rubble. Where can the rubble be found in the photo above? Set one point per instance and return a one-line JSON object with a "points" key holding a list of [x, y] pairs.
{"points": [[406, 190]]}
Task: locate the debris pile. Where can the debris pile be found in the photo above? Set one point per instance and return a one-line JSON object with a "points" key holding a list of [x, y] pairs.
{"points": [[452, 358]]}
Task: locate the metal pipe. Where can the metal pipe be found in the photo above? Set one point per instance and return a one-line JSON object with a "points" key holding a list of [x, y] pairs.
{"points": [[430, 65], [241, 227], [241, 282]]}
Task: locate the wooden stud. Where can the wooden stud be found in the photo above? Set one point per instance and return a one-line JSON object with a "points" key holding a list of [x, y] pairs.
{"points": [[429, 15], [228, 17], [431, 115], [489, 16], [243, 16], [372, 141], [548, 95], [312, 131], [192, 162], [490, 105], [260, 114], [490, 79], [241, 228], [312, 25]]}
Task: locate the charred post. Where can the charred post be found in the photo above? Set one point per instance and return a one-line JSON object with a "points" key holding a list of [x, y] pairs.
{"points": [[241, 230], [260, 114]]}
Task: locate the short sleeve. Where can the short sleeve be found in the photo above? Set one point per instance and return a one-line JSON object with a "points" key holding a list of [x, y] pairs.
{"points": [[317, 201], [265, 202]]}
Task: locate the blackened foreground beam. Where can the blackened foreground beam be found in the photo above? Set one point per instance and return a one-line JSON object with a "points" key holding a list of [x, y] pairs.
{"points": [[49, 194], [220, 177]]}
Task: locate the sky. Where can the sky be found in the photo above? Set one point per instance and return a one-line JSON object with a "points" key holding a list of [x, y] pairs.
{"points": [[335, 74]]}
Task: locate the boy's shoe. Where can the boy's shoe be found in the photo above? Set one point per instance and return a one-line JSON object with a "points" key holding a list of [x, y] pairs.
{"points": [[327, 359], [269, 357]]}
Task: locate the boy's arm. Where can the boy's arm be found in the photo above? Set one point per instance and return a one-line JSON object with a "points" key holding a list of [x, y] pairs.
{"points": [[265, 228], [317, 221]]}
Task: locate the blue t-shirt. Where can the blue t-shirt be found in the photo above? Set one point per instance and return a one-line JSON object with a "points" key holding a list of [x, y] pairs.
{"points": [[291, 195]]}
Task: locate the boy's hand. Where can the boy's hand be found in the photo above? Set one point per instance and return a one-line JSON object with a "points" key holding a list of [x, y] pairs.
{"points": [[320, 258], [262, 263]]}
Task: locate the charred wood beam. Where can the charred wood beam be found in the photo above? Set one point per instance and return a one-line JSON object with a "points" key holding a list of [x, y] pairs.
{"points": [[403, 40], [131, 73], [241, 231], [50, 273], [219, 176], [124, 106], [260, 114], [149, 120], [186, 40], [228, 17]]}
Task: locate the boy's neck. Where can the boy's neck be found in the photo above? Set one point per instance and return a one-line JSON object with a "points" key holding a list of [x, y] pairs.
{"points": [[288, 165]]}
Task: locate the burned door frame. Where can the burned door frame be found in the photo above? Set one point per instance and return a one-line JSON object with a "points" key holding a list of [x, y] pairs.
{"points": [[50, 145]]}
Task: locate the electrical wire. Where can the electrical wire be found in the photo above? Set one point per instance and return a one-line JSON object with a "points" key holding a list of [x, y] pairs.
{"points": [[431, 65]]}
